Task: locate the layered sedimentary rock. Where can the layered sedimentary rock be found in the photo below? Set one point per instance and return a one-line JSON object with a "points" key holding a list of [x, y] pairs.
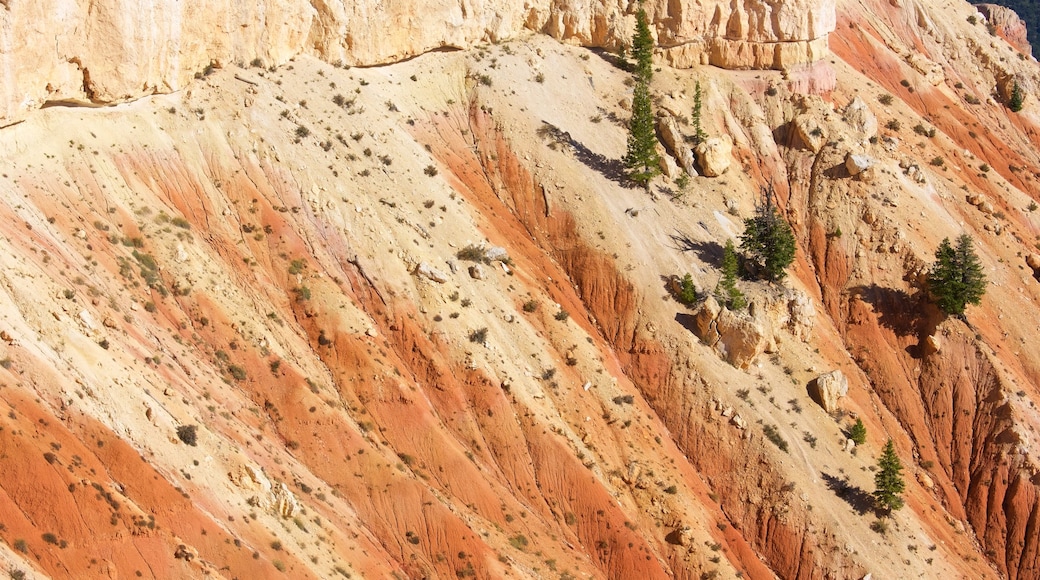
{"points": [[115, 50], [1008, 25]]}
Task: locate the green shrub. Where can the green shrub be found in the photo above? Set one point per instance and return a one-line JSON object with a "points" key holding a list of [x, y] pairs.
{"points": [[773, 435], [237, 372], [687, 292], [858, 432], [188, 434], [479, 335], [1016, 99], [519, 542]]}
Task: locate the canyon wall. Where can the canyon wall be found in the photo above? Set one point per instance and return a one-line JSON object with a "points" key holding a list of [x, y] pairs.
{"points": [[116, 50]]}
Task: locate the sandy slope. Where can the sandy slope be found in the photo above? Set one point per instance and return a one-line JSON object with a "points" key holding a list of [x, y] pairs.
{"points": [[353, 421]]}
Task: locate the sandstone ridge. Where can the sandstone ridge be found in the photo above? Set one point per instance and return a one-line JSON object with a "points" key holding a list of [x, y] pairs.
{"points": [[115, 50]]}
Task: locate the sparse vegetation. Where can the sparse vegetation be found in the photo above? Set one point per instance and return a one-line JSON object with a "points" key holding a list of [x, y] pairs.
{"points": [[920, 129], [479, 335], [237, 372], [774, 436], [472, 253], [188, 434], [302, 293]]}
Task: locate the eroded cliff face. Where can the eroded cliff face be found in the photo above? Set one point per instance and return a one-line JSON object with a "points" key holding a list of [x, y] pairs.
{"points": [[113, 50], [411, 320]]}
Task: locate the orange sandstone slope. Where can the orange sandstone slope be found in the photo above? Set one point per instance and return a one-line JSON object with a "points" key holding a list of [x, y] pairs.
{"points": [[253, 328]]}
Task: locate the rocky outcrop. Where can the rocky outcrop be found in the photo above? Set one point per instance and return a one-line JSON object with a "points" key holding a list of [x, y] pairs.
{"points": [[751, 34], [827, 388], [737, 337], [675, 143], [811, 132], [793, 311], [274, 498], [114, 50], [858, 116], [715, 155], [858, 163], [1008, 25]]}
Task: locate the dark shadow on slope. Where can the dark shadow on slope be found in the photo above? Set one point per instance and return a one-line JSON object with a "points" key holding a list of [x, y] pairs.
{"points": [[896, 310], [839, 171], [612, 59], [687, 321], [612, 169], [707, 252], [854, 495]]}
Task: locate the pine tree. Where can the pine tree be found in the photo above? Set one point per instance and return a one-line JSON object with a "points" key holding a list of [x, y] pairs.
{"points": [[727, 292], [956, 279], [642, 159], [687, 291], [1016, 99], [699, 136], [643, 48], [769, 241], [858, 432], [888, 482]]}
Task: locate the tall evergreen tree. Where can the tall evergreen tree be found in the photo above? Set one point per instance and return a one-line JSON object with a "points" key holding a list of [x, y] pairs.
{"points": [[699, 136], [642, 159], [956, 279], [727, 292], [768, 241], [888, 482], [643, 48]]}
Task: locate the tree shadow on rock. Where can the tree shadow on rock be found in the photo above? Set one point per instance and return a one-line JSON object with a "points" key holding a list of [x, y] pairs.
{"points": [[785, 135], [900, 312], [839, 171], [688, 321], [861, 501], [612, 169], [707, 252], [612, 59]]}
